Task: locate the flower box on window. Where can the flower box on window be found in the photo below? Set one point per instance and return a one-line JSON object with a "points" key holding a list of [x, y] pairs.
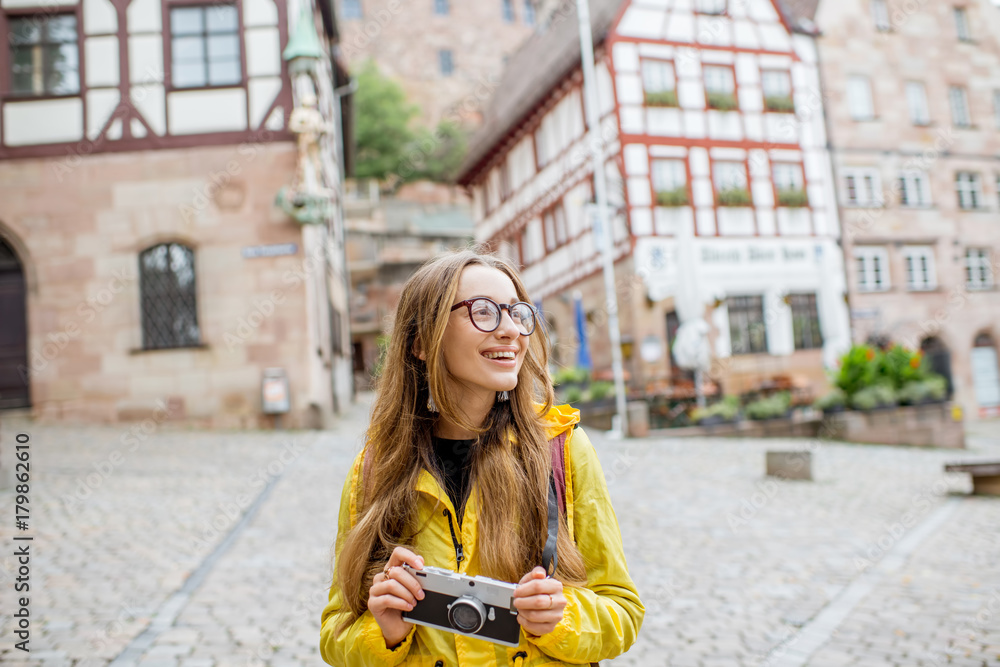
{"points": [[781, 103], [722, 101], [734, 197], [793, 198], [675, 197], [661, 98]]}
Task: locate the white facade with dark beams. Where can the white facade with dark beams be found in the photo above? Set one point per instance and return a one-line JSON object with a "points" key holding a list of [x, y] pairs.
{"points": [[714, 131], [169, 230]]}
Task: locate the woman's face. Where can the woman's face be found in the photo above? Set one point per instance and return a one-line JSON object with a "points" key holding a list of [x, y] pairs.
{"points": [[468, 351]]}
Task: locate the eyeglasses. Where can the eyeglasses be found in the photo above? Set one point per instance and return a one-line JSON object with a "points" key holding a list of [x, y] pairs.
{"points": [[485, 314]]}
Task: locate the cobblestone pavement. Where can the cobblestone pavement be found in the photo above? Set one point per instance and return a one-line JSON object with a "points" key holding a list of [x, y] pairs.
{"points": [[192, 549]]}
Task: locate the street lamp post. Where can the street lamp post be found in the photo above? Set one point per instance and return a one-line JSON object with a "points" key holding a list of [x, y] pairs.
{"points": [[602, 232]]}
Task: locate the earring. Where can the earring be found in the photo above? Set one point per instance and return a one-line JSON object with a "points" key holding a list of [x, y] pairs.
{"points": [[503, 396], [431, 405]]}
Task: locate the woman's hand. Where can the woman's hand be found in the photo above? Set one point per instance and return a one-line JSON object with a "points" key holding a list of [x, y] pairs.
{"points": [[393, 591], [540, 602]]}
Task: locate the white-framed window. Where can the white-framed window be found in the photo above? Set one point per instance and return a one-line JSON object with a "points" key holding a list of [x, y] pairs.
{"points": [[914, 189], [996, 108], [442, 7], [710, 6], [669, 175], [787, 175], [916, 99], [777, 86], [862, 186], [959, 101], [529, 12], [859, 97], [446, 62], [978, 268], [880, 13], [719, 79], [962, 24], [969, 186], [872, 264], [658, 76], [919, 261], [507, 10]]}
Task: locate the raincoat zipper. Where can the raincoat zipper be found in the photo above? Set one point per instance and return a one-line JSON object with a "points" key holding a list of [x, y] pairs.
{"points": [[459, 554]]}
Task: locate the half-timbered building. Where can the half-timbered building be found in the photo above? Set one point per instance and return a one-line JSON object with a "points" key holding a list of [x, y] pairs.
{"points": [[712, 125], [169, 226]]}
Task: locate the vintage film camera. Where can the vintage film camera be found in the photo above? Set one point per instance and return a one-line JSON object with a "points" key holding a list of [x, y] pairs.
{"points": [[477, 607]]}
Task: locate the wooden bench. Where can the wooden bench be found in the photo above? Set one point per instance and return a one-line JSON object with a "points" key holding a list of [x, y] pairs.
{"points": [[985, 476]]}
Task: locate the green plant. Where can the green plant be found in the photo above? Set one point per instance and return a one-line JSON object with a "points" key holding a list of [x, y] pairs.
{"points": [[675, 197], [900, 366], [858, 369], [661, 98], [835, 398], [728, 409], [570, 375], [793, 198], [382, 343], [382, 127], [722, 101], [573, 395], [876, 396], [779, 103], [776, 405], [734, 197], [599, 390], [934, 388]]}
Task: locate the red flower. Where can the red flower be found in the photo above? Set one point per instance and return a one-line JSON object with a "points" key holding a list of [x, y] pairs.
{"points": [[870, 354]]}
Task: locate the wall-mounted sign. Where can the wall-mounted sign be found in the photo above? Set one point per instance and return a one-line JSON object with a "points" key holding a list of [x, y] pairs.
{"points": [[275, 398], [275, 250]]}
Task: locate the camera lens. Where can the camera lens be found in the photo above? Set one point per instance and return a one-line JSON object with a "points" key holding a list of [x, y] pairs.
{"points": [[467, 614]]}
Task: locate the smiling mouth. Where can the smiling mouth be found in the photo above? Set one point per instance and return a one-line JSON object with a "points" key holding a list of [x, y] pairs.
{"points": [[500, 356]]}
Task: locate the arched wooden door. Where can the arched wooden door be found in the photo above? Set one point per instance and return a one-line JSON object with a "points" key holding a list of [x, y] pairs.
{"points": [[14, 376]]}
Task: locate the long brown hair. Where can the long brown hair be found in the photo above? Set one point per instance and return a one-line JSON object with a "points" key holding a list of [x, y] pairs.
{"points": [[510, 462]]}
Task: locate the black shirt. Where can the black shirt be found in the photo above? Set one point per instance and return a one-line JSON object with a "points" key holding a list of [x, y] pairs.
{"points": [[453, 460]]}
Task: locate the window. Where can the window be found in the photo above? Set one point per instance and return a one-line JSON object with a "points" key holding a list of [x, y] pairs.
{"points": [[788, 183], [205, 46], [554, 223], [670, 182], [658, 83], [962, 24], [777, 85], [959, 106], [805, 321], [529, 12], [862, 187], [969, 187], [880, 12], [996, 108], [720, 88], [441, 7], [351, 9], [859, 98], [978, 269], [747, 332], [916, 98], [44, 56], [914, 189], [445, 62], [873, 269], [731, 184], [508, 11], [710, 6], [559, 216], [919, 268], [167, 294]]}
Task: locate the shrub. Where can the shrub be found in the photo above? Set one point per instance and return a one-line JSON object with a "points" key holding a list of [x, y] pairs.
{"points": [[780, 103], [728, 409], [835, 398], [677, 197], [876, 396], [599, 390], [793, 198], [734, 197], [722, 101], [858, 370], [570, 375], [900, 366], [661, 98], [776, 405], [573, 395], [934, 388]]}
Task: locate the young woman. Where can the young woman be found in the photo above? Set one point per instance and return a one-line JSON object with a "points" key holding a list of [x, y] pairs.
{"points": [[455, 474]]}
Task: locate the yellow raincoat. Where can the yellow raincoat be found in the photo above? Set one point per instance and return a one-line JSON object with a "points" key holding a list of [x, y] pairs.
{"points": [[601, 620]]}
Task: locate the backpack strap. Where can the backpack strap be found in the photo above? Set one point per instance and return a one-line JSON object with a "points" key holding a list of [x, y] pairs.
{"points": [[557, 501]]}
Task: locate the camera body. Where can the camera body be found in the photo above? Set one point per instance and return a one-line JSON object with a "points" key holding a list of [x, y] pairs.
{"points": [[477, 607]]}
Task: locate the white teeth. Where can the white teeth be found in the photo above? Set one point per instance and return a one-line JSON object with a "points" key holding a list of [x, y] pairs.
{"points": [[499, 355]]}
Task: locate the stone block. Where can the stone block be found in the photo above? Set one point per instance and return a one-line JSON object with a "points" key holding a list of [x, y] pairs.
{"points": [[790, 465], [638, 419]]}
